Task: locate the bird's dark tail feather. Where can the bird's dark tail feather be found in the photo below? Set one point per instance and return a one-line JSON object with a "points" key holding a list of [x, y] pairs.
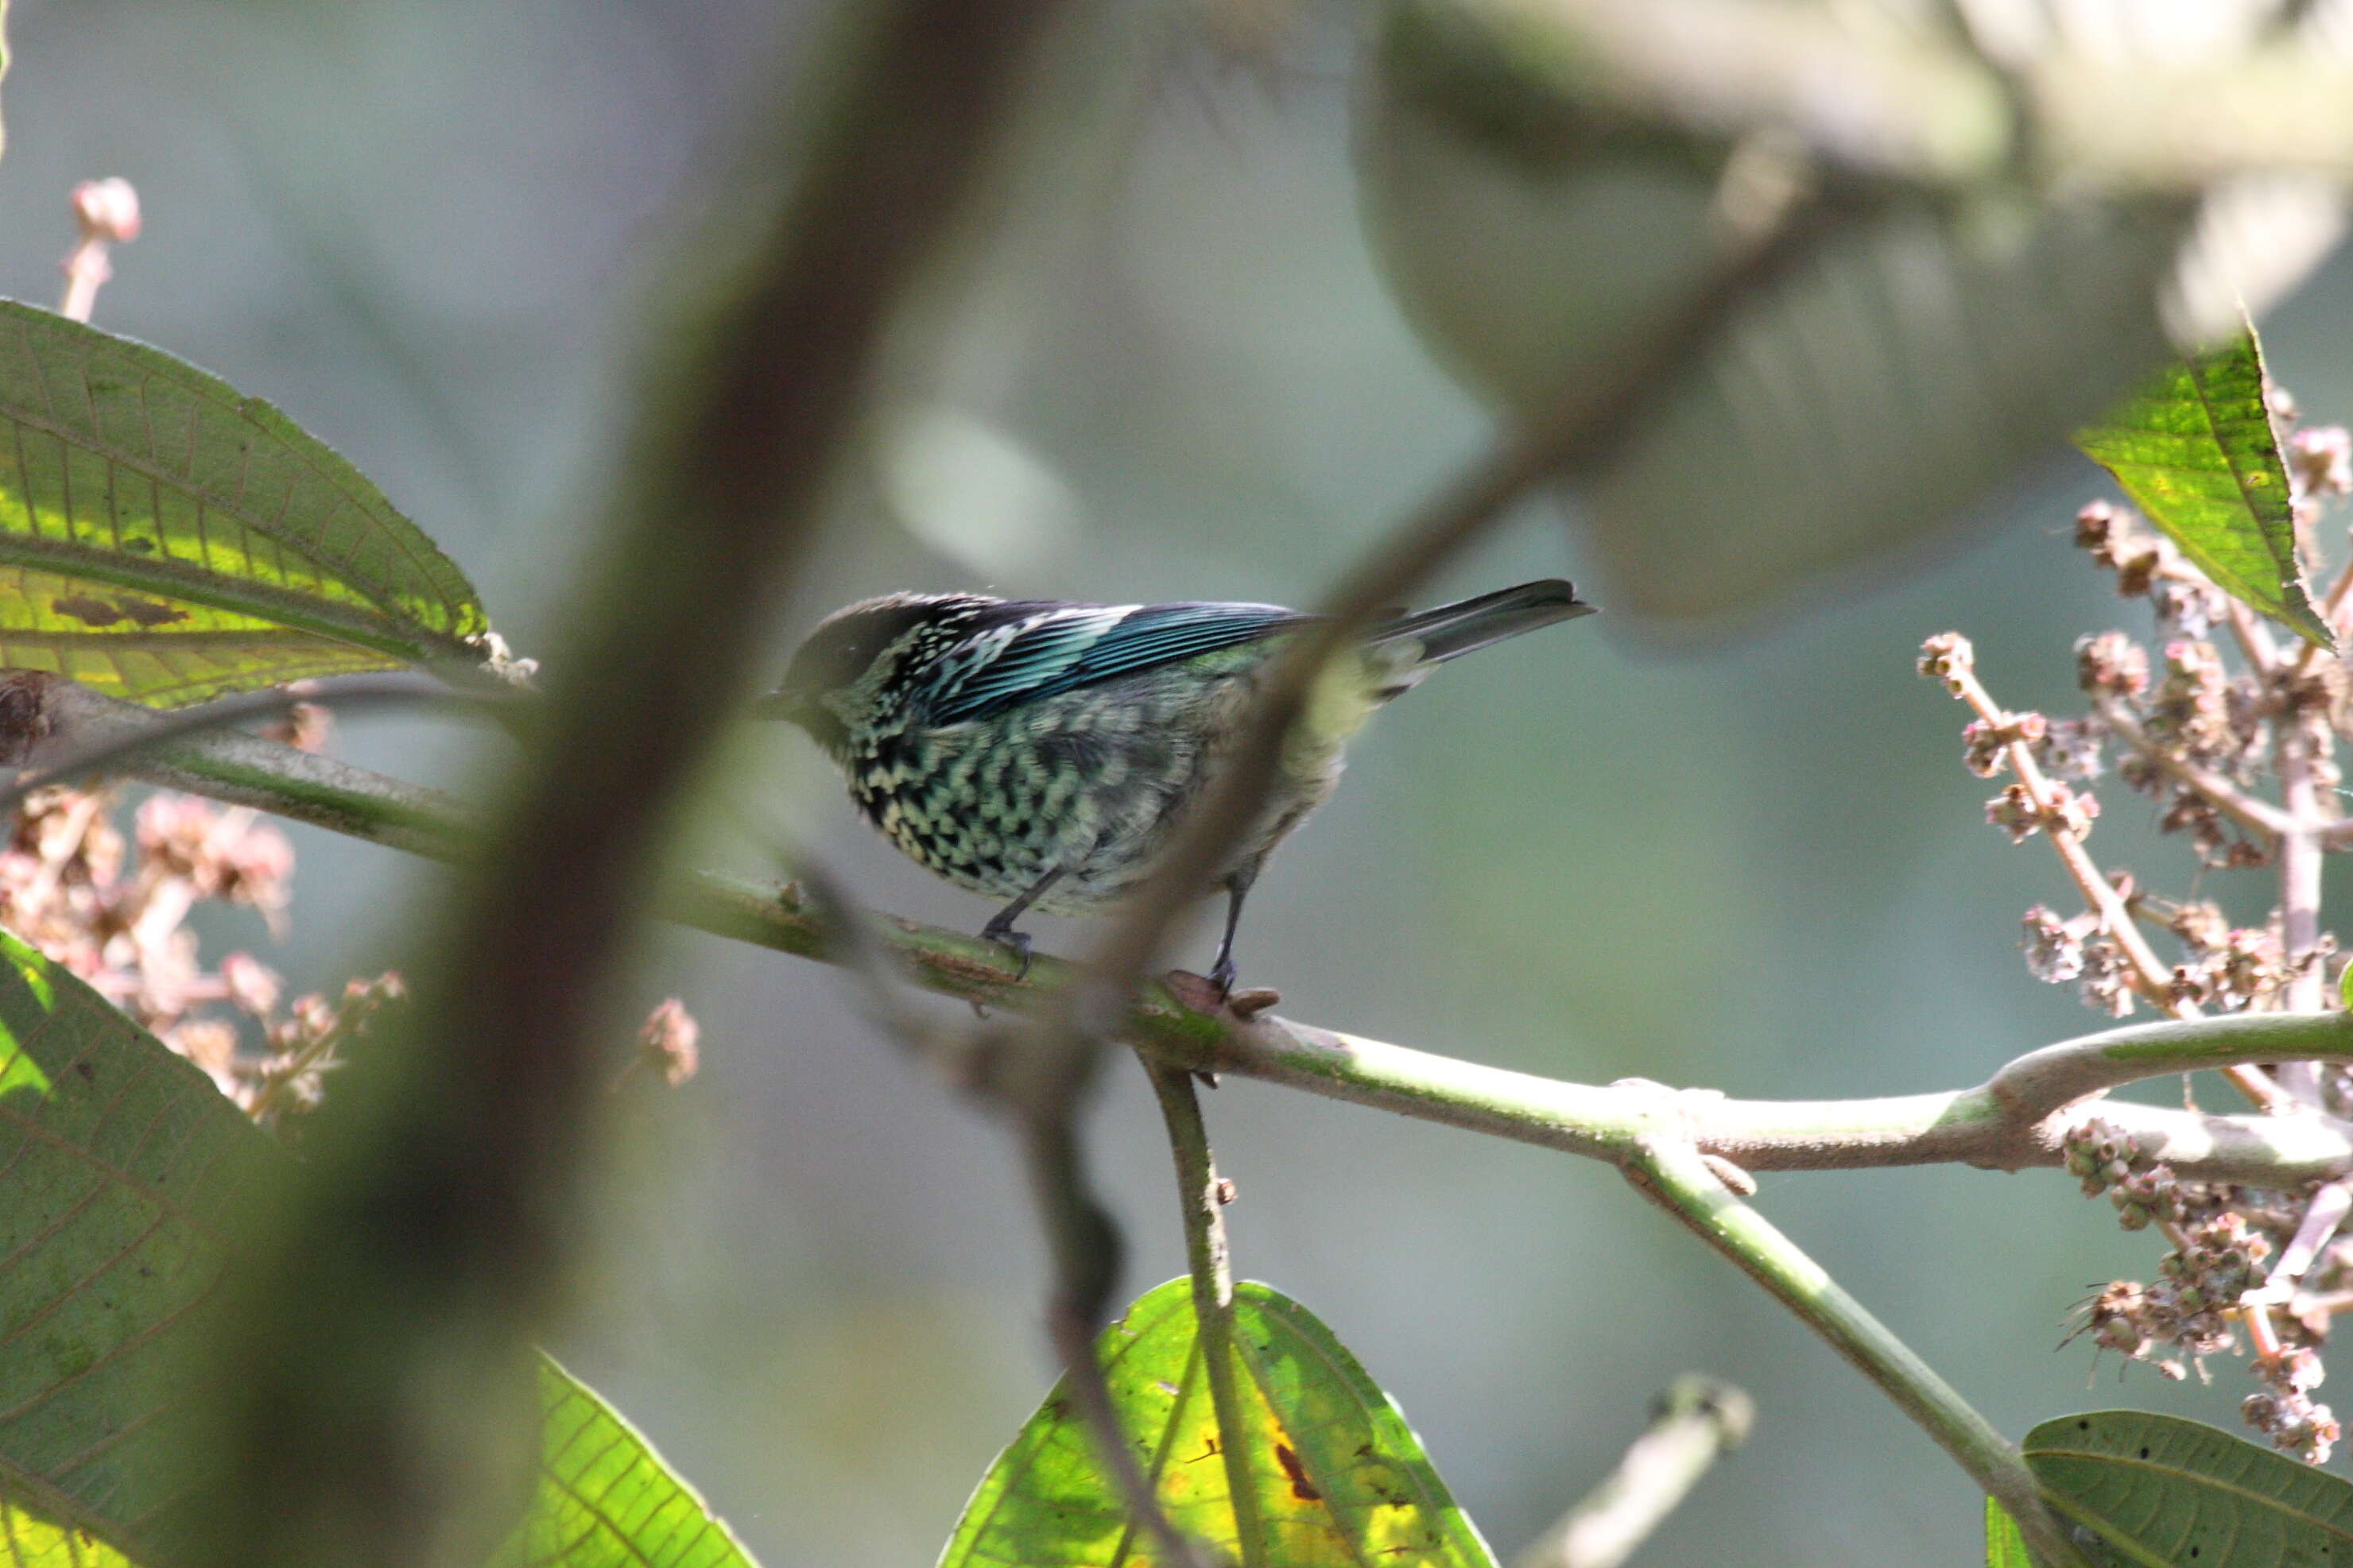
{"points": [[1451, 630]]}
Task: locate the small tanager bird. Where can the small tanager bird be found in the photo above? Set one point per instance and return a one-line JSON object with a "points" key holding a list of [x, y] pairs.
{"points": [[1043, 753]]}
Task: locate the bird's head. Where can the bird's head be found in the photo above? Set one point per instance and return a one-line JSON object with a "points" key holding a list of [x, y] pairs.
{"points": [[838, 671]]}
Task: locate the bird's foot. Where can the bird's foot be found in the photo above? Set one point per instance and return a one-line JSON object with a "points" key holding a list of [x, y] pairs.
{"points": [[1015, 942], [1223, 973]]}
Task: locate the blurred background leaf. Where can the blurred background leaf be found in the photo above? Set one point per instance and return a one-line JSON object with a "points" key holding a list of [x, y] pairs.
{"points": [[165, 539], [1542, 179], [1338, 1476]]}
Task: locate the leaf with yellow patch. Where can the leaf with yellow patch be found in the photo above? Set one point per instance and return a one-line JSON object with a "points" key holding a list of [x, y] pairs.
{"points": [[165, 539], [1336, 1474], [29, 1540]]}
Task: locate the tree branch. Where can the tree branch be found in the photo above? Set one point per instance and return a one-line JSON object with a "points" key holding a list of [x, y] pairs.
{"points": [[1673, 1172], [2014, 1121]]}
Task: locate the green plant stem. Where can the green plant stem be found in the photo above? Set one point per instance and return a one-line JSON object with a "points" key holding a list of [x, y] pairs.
{"points": [[1210, 1262], [1674, 1173]]}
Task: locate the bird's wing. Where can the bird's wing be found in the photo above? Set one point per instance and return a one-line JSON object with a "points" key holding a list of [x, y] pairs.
{"points": [[1065, 647]]}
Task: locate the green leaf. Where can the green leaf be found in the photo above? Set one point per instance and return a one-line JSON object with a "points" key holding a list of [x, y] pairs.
{"points": [[606, 1499], [1339, 1477], [124, 1165], [165, 539], [2005, 1545], [2196, 451], [2170, 1493]]}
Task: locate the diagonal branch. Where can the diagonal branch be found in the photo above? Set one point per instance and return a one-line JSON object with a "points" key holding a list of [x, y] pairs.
{"points": [[1698, 1420]]}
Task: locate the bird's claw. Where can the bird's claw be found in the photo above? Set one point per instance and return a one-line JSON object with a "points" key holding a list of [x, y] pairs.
{"points": [[1015, 942]]}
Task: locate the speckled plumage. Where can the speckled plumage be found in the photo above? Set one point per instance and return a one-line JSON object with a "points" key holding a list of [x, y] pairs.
{"points": [[1043, 753]]}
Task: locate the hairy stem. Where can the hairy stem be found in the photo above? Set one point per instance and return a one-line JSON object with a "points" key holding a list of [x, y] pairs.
{"points": [[2300, 864]]}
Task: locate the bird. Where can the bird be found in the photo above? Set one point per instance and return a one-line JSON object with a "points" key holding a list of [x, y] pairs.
{"points": [[1043, 753]]}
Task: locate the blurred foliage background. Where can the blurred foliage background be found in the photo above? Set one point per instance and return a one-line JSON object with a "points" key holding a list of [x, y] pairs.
{"points": [[1753, 864]]}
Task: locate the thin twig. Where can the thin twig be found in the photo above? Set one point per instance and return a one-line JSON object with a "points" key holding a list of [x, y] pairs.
{"points": [[106, 214], [2301, 862], [1698, 1421], [111, 751], [2255, 644], [1200, 1193], [2250, 812], [2324, 1213]]}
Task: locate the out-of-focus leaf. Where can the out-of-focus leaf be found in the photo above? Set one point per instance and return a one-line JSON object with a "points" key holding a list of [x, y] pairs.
{"points": [[2171, 1493], [2005, 1546], [1924, 350], [2197, 451], [605, 1499], [165, 539], [27, 1541], [1338, 1475], [124, 1165]]}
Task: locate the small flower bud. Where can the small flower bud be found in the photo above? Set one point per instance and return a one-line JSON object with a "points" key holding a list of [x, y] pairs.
{"points": [[107, 210], [1947, 656]]}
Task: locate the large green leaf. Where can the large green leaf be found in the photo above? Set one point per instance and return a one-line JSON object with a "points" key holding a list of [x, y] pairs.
{"points": [[2196, 450], [121, 1166], [2171, 1493], [165, 539], [1337, 1474]]}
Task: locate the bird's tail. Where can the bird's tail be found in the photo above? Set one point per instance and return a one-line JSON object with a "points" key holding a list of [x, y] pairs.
{"points": [[1451, 630]]}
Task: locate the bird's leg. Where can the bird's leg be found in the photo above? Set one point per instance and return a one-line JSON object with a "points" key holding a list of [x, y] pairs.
{"points": [[1222, 972], [1000, 929]]}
